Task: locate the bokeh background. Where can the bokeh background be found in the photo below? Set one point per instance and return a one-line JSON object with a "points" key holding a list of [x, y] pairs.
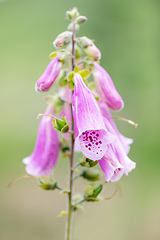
{"points": [[128, 35]]}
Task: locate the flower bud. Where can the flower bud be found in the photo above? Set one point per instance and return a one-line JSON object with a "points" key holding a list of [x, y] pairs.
{"points": [[59, 124], [90, 175], [62, 39], [85, 42], [70, 27], [89, 48], [81, 19], [91, 163], [47, 183], [88, 191], [72, 14]]}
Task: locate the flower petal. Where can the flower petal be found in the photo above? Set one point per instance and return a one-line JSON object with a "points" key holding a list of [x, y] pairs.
{"points": [[106, 88]]}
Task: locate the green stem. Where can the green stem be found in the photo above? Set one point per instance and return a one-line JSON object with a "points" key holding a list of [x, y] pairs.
{"points": [[71, 164]]}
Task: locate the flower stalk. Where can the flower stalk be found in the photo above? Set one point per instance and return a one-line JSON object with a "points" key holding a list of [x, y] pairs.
{"points": [[71, 160]]}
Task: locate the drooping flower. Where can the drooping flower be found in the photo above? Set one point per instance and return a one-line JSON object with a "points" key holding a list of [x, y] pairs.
{"points": [[108, 118], [91, 135], [106, 88], [45, 155], [45, 82], [115, 163]]}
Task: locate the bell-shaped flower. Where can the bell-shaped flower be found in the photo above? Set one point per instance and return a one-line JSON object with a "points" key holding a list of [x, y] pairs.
{"points": [[45, 82], [91, 135], [106, 88], [108, 118], [115, 163], [110, 166], [45, 155]]}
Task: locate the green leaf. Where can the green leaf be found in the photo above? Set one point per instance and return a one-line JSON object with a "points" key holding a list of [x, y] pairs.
{"points": [[76, 69], [62, 213], [53, 55], [84, 73], [71, 85], [70, 76]]}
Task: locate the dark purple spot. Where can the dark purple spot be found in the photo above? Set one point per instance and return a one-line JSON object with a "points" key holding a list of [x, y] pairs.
{"points": [[97, 135], [89, 149], [89, 145], [100, 142], [93, 132], [96, 152], [86, 146], [100, 150], [96, 143]]}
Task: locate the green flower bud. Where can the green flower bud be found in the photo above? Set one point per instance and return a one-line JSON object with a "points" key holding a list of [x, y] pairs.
{"points": [[90, 175], [78, 52], [59, 124], [62, 39], [85, 42], [91, 162], [72, 14], [88, 192], [81, 19], [65, 129], [47, 183]]}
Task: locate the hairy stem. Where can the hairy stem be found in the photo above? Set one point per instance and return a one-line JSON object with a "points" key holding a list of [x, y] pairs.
{"points": [[71, 163]]}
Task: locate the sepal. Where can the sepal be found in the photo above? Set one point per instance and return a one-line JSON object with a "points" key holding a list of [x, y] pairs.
{"points": [[60, 124], [47, 183]]}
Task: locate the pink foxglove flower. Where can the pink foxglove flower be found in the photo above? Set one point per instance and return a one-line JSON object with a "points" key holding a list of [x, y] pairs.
{"points": [[91, 135], [107, 115], [45, 82], [115, 163], [106, 88], [45, 155]]}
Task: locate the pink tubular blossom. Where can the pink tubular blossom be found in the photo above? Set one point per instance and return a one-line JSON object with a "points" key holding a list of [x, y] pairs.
{"points": [[45, 155], [115, 162], [107, 115], [106, 88], [91, 135], [45, 82]]}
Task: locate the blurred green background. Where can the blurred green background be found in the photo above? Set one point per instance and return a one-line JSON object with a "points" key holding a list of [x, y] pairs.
{"points": [[128, 35]]}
